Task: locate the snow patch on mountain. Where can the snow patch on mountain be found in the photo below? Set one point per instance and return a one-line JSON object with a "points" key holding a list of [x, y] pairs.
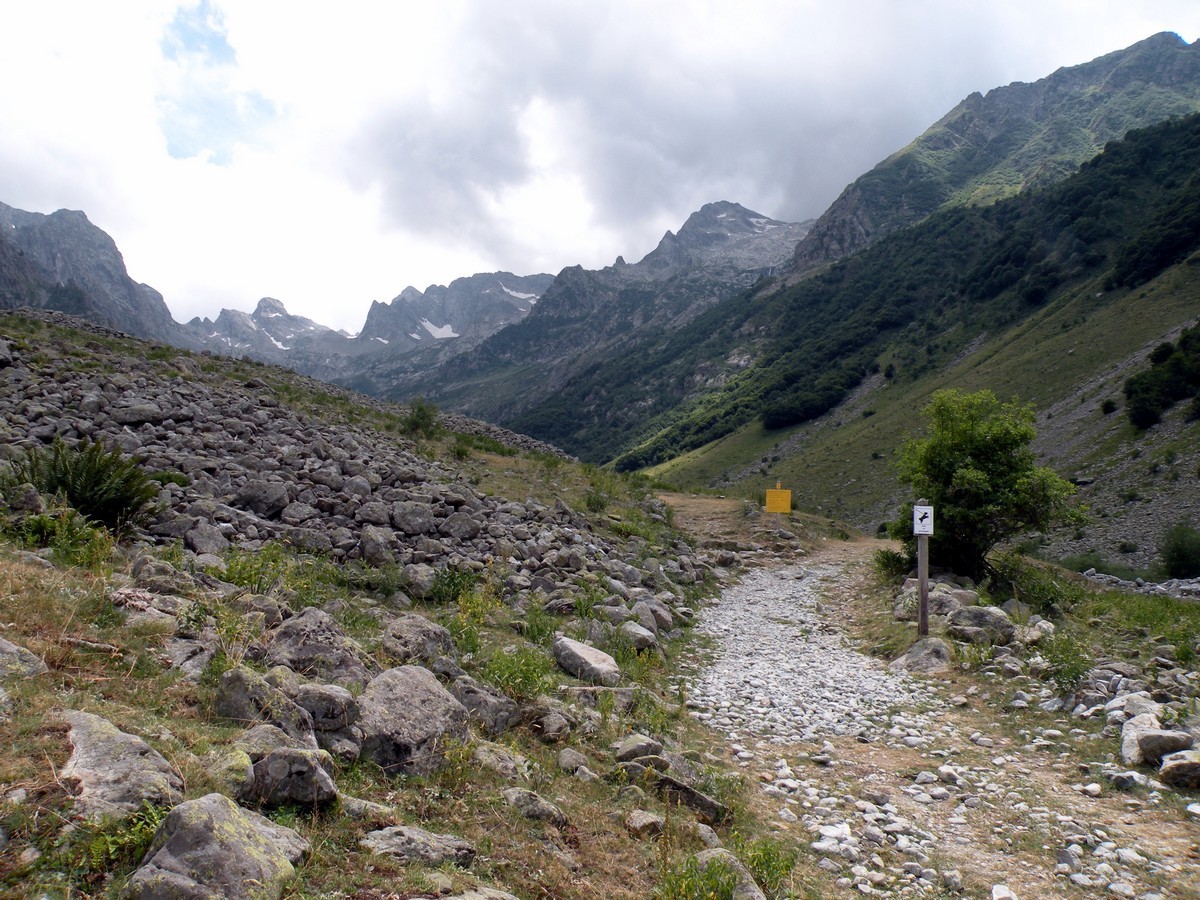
{"points": [[438, 331]]}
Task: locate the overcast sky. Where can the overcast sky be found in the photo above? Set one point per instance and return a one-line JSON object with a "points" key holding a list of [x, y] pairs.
{"points": [[329, 155]]}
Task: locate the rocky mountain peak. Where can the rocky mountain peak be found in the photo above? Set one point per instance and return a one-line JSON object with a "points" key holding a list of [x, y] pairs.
{"points": [[1021, 135]]}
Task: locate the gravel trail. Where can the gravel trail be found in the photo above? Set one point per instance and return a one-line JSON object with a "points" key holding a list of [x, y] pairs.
{"points": [[916, 787]]}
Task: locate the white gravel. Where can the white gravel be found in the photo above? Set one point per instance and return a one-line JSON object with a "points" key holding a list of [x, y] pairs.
{"points": [[786, 673]]}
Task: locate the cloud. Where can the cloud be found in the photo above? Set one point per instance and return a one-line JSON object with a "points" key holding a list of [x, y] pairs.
{"points": [[330, 155], [201, 111]]}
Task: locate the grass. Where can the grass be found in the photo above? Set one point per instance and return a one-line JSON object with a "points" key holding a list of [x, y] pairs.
{"points": [[840, 465]]}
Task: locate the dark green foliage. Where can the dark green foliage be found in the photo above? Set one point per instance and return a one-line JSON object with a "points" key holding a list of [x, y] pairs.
{"points": [[1042, 588], [1174, 375], [977, 470], [450, 584], [1180, 551], [422, 418], [109, 488]]}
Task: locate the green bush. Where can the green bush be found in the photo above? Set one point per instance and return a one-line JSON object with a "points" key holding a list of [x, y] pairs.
{"points": [[1180, 551], [73, 539], [769, 861], [451, 584], [1038, 587], [522, 674], [422, 418], [109, 488], [688, 881], [977, 469], [1069, 661]]}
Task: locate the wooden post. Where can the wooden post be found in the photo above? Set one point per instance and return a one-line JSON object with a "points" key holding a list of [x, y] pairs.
{"points": [[923, 578], [922, 529]]}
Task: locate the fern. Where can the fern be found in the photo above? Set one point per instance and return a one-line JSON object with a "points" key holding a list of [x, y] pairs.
{"points": [[106, 486]]}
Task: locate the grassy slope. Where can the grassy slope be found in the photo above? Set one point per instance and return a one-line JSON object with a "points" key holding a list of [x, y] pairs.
{"points": [[1069, 351]]}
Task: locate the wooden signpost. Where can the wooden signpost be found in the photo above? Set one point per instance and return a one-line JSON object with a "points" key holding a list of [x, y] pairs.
{"points": [[923, 529]]}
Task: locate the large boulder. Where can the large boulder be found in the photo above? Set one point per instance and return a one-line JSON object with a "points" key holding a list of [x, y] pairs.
{"points": [[929, 655], [981, 625], [1181, 769], [246, 697], [332, 707], [312, 644], [493, 712], [288, 777], [266, 499], [211, 848], [116, 773], [586, 662], [1131, 737], [408, 720], [1156, 743]]}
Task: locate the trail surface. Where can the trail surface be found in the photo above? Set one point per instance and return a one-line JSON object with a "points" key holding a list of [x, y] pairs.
{"points": [[907, 786]]}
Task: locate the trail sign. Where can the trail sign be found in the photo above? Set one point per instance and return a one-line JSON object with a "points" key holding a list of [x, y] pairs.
{"points": [[923, 520], [778, 500]]}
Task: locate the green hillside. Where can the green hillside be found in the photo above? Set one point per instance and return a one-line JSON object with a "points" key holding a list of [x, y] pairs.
{"points": [[908, 306]]}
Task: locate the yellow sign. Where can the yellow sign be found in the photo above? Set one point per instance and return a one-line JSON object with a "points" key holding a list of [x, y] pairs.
{"points": [[779, 501]]}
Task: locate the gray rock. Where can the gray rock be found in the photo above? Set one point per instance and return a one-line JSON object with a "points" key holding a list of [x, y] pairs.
{"points": [[408, 720], [1131, 732], [636, 746], [1156, 743], [116, 773], [928, 656], [375, 546], [586, 662], [410, 844], [17, 662], [412, 637], [993, 621], [212, 848], [267, 499], [643, 824], [533, 806], [461, 527], [245, 696], [493, 712], [312, 644], [293, 777], [639, 636], [1181, 769], [413, 518], [332, 707], [205, 538]]}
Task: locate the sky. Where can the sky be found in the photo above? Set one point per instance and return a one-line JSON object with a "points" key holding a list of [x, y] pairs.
{"points": [[330, 155]]}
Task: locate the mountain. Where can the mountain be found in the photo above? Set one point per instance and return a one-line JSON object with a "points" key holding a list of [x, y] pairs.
{"points": [[63, 262], [267, 334], [996, 145], [469, 309], [586, 316]]}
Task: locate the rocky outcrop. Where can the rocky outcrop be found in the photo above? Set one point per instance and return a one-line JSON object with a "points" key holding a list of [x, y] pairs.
{"points": [[409, 720], [115, 773], [212, 848]]}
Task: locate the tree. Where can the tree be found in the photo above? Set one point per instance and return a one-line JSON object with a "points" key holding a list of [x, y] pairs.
{"points": [[977, 469]]}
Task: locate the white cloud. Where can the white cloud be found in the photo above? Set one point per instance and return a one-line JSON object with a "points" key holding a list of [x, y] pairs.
{"points": [[330, 155]]}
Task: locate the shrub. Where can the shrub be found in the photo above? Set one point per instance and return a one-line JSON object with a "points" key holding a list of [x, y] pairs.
{"points": [[451, 584], [522, 674], [976, 468], [1180, 551], [688, 881], [1038, 587], [1069, 661], [106, 486], [422, 418], [769, 862], [74, 540]]}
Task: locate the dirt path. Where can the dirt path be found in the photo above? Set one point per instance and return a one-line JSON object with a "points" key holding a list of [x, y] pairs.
{"points": [[991, 794]]}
